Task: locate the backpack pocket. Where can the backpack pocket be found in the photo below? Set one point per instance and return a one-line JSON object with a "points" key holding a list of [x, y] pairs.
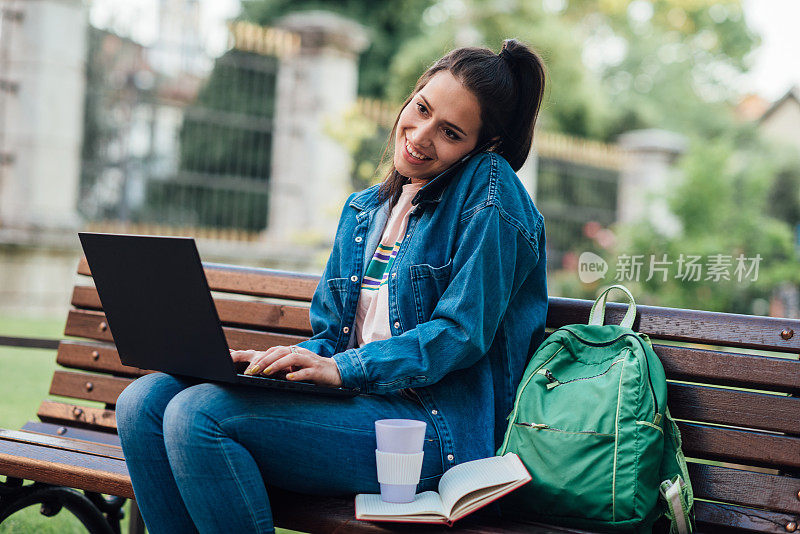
{"points": [[574, 430], [578, 488]]}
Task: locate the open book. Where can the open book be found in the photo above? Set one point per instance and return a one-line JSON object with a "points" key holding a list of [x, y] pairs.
{"points": [[462, 490]]}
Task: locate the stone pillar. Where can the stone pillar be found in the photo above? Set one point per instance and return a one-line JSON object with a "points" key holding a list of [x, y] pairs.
{"points": [[310, 177], [646, 177], [43, 56]]}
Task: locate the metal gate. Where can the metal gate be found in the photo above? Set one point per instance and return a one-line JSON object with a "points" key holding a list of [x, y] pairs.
{"points": [[180, 151]]}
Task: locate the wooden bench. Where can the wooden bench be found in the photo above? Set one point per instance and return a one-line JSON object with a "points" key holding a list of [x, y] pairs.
{"points": [[744, 429]]}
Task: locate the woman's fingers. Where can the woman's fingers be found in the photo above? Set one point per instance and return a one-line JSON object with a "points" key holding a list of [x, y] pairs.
{"points": [[300, 363], [313, 368], [264, 359], [243, 355], [288, 361]]}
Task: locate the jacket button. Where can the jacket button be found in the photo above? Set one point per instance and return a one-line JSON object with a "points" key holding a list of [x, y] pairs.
{"points": [[346, 329], [358, 239], [354, 278], [450, 457], [397, 324], [435, 412]]}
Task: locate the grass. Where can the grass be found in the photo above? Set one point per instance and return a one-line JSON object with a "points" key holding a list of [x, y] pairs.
{"points": [[24, 382], [25, 373]]}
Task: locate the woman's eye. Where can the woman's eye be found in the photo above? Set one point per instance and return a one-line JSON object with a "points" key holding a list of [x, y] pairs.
{"points": [[451, 134], [421, 108]]}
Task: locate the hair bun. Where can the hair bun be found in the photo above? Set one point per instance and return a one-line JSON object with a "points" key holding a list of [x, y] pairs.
{"points": [[507, 51]]}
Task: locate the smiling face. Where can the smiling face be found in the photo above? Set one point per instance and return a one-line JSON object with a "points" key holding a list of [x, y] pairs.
{"points": [[438, 127]]}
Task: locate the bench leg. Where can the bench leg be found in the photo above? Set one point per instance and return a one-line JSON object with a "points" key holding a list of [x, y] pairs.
{"points": [[98, 514], [135, 521]]}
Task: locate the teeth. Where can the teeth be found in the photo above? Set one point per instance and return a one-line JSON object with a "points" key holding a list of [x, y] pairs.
{"points": [[415, 154]]}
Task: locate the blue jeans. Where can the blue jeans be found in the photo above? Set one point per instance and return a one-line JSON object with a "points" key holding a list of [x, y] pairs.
{"points": [[202, 456]]}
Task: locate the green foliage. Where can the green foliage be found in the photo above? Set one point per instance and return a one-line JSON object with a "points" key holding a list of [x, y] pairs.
{"points": [[669, 70], [573, 100], [389, 24], [364, 139], [723, 205]]}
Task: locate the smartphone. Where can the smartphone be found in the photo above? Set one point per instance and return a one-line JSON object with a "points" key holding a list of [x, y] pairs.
{"points": [[458, 164]]}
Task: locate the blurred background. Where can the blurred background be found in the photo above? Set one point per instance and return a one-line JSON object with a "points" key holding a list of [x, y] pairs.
{"points": [[666, 157], [667, 154]]}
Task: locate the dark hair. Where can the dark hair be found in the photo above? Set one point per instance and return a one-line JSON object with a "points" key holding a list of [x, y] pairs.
{"points": [[509, 87]]}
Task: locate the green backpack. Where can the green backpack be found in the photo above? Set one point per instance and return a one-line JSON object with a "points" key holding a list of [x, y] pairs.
{"points": [[591, 424]]}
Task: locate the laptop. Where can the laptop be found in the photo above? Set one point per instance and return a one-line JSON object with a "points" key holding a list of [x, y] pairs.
{"points": [[161, 313]]}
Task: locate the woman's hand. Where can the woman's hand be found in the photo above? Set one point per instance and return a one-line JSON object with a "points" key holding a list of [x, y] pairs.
{"points": [[301, 364]]}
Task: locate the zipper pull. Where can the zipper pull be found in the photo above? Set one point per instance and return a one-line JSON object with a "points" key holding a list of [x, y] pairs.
{"points": [[552, 381], [535, 425]]}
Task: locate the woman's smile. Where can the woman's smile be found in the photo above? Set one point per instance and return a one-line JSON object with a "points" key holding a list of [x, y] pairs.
{"points": [[415, 157]]}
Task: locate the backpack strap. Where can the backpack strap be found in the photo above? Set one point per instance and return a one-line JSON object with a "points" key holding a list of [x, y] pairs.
{"points": [[597, 315], [675, 491]]}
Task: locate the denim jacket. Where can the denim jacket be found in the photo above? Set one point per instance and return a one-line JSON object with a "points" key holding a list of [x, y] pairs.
{"points": [[467, 301]]}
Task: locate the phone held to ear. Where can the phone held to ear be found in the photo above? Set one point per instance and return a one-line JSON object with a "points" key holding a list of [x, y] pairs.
{"points": [[458, 164]]}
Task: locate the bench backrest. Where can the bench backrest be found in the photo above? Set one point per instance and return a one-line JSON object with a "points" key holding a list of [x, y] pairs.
{"points": [[739, 410]]}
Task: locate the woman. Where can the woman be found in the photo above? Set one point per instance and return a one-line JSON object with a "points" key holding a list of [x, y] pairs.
{"points": [[431, 301]]}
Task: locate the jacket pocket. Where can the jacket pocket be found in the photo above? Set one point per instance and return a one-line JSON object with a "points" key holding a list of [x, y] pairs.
{"points": [[429, 284], [338, 293]]}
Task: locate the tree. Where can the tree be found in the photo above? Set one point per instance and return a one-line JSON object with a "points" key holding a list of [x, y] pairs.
{"points": [[614, 65], [722, 202], [389, 24]]}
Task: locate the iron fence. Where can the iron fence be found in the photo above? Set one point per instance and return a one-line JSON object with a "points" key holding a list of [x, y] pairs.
{"points": [[180, 149]]}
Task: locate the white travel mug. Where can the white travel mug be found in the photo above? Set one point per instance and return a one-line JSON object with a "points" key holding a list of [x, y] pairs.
{"points": [[399, 457]]}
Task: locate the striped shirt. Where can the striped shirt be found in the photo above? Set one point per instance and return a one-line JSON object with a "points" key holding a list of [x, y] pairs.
{"points": [[372, 315]]}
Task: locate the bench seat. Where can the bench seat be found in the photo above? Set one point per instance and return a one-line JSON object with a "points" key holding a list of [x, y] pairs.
{"points": [[733, 387]]}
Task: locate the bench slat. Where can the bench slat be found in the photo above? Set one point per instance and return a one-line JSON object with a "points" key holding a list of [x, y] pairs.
{"points": [[92, 325], [67, 444], [65, 468], [727, 515], [93, 356], [88, 386], [694, 326], [264, 316], [740, 446], [736, 408], [50, 429], [75, 415], [292, 319], [86, 297], [251, 281], [730, 368], [745, 488]]}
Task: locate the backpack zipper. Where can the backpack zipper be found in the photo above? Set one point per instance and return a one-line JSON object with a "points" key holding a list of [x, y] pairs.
{"points": [[513, 413], [555, 382], [543, 426], [607, 343]]}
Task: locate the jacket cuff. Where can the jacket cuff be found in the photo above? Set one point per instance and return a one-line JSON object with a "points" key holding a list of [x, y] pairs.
{"points": [[350, 370]]}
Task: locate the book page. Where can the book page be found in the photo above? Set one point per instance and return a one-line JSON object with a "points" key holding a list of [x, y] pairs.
{"points": [[469, 503], [469, 477], [427, 503]]}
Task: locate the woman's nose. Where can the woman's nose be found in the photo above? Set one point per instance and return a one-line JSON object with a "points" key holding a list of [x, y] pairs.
{"points": [[424, 135]]}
